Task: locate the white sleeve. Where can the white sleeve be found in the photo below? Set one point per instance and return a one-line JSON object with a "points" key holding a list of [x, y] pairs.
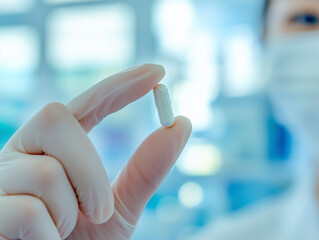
{"points": [[250, 224]]}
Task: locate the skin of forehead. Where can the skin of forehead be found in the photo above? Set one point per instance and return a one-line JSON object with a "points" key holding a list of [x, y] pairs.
{"points": [[279, 12]]}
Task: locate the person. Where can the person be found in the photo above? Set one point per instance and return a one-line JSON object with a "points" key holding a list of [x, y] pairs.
{"points": [[53, 184], [291, 40], [62, 190]]}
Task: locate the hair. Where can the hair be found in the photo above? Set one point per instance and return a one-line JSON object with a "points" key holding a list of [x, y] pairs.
{"points": [[266, 9], [264, 19]]}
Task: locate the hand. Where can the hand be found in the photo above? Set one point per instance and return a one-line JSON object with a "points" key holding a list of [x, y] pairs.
{"points": [[52, 182]]}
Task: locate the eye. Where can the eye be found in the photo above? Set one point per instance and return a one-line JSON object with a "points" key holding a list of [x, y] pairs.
{"points": [[305, 19]]}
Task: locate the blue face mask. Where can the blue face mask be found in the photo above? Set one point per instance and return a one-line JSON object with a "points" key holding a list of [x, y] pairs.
{"points": [[292, 72]]}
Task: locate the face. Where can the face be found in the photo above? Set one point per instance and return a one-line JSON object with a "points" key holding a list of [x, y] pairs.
{"points": [[292, 16]]}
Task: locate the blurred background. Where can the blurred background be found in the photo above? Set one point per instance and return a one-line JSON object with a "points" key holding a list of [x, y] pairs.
{"points": [[51, 50]]}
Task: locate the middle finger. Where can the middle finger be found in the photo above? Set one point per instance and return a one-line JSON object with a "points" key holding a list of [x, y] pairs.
{"points": [[55, 132]]}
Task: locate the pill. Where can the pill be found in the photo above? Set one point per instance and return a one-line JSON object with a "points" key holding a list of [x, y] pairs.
{"points": [[163, 105]]}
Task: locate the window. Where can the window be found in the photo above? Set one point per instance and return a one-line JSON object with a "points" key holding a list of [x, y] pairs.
{"points": [[15, 6], [19, 57], [88, 43]]}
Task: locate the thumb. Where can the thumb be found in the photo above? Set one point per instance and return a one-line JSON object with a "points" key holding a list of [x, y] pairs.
{"points": [[140, 178]]}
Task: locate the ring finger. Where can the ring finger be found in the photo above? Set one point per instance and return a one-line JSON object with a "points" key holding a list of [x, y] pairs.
{"points": [[43, 177], [26, 218]]}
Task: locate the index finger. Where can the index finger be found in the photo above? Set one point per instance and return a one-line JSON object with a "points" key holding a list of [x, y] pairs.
{"points": [[114, 93]]}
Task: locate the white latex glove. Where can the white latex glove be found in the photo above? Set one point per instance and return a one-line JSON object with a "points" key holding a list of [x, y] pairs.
{"points": [[52, 182]]}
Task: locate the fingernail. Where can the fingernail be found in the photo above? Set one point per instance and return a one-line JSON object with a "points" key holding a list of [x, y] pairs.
{"points": [[132, 68], [107, 213], [158, 67], [108, 209], [150, 67]]}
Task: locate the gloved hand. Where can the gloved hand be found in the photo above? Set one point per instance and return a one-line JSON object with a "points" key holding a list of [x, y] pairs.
{"points": [[52, 182]]}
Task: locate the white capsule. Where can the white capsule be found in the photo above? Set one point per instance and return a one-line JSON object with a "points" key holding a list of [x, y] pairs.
{"points": [[163, 104]]}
